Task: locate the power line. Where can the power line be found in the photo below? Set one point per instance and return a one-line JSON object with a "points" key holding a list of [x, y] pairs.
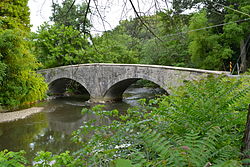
{"points": [[213, 26], [231, 8]]}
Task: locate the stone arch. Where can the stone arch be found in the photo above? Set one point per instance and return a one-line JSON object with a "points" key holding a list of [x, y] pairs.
{"points": [[59, 85], [117, 88]]}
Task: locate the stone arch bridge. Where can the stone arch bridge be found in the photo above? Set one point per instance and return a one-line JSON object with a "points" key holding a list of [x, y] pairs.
{"points": [[105, 82]]}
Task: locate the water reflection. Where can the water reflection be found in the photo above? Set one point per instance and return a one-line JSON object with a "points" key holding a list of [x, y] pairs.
{"points": [[19, 134], [69, 122], [51, 129]]}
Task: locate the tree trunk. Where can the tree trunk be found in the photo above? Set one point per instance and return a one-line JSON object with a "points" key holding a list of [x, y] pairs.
{"points": [[243, 56], [246, 139]]}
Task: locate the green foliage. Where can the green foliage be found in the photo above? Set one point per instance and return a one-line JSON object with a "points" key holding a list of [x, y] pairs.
{"points": [[215, 11], [112, 48], [136, 29], [14, 14], [131, 42], [46, 159], [236, 35], [19, 84], [172, 50], [70, 15], [215, 48], [209, 102], [122, 163], [12, 159], [57, 45], [63, 42], [130, 37], [201, 123], [43, 159], [188, 150], [2, 70], [205, 47]]}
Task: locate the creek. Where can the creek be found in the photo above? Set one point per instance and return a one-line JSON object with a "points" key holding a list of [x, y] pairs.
{"points": [[50, 130]]}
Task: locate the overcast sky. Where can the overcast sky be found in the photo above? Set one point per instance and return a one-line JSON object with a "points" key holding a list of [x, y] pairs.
{"points": [[112, 12]]}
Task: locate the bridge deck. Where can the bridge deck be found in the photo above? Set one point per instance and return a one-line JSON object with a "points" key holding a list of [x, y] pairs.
{"points": [[146, 65]]}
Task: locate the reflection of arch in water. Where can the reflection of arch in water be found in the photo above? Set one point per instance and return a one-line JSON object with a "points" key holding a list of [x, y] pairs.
{"points": [[117, 88], [61, 85], [68, 127]]}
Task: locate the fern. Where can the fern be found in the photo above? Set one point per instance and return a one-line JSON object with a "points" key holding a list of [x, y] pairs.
{"points": [[190, 150], [200, 125]]}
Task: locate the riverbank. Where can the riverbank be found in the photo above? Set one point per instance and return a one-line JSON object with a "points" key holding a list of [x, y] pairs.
{"points": [[21, 114]]}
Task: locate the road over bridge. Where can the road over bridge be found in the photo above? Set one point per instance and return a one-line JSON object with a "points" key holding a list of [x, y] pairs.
{"points": [[105, 82]]}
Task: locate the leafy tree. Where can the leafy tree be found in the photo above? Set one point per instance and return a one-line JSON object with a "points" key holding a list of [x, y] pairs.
{"points": [[237, 35], [172, 50], [136, 29], [14, 14], [212, 7], [173, 23], [112, 48], [205, 47], [57, 45], [160, 47], [169, 52], [71, 15], [19, 83], [63, 42]]}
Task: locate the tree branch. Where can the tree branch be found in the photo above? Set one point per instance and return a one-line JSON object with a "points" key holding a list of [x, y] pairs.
{"points": [[85, 17], [144, 24]]}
